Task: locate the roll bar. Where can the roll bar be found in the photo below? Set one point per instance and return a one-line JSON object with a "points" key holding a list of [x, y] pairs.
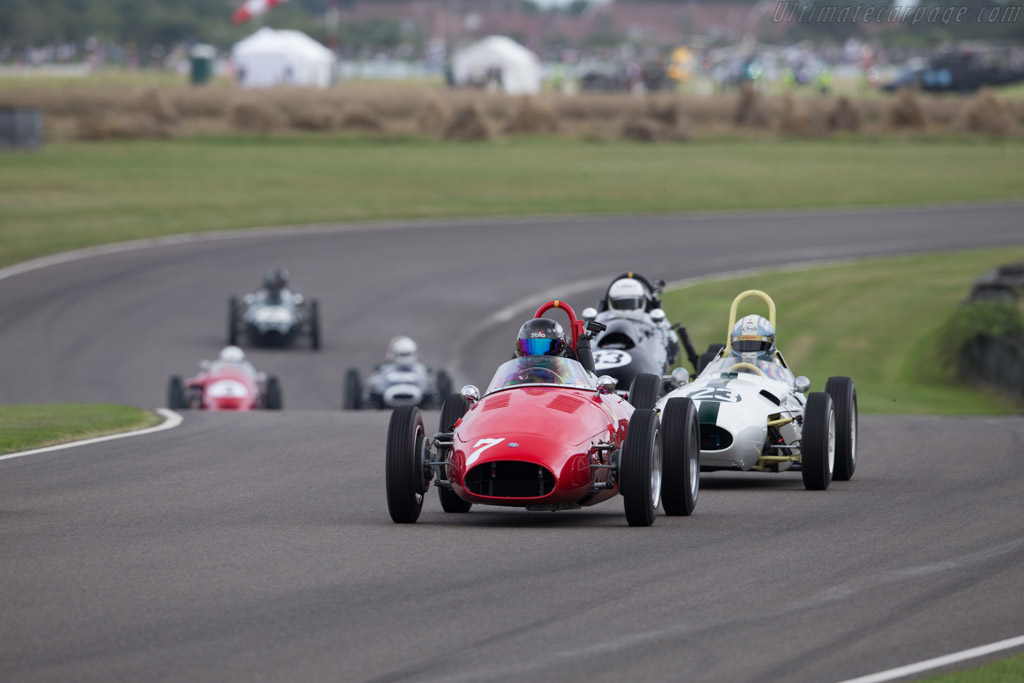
{"points": [[750, 293], [576, 327]]}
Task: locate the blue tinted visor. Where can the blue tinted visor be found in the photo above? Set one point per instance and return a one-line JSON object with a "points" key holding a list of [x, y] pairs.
{"points": [[540, 347]]}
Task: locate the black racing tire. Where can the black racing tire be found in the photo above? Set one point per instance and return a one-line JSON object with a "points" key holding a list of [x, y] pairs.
{"points": [[404, 484], [314, 324], [443, 385], [640, 468], [274, 399], [644, 391], [176, 394], [680, 476], [708, 356], [844, 398], [452, 410], [818, 445], [234, 314], [352, 391]]}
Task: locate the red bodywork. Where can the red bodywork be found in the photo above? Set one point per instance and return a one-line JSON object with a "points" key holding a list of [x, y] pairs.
{"points": [[225, 388], [534, 446]]}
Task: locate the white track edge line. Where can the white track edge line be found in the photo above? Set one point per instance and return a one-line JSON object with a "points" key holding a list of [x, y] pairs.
{"points": [[937, 662], [171, 420]]}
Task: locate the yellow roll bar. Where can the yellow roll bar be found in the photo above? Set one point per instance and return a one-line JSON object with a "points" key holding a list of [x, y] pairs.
{"points": [[750, 293]]}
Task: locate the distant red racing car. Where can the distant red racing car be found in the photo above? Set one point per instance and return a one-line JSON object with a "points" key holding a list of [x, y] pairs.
{"points": [[547, 435], [228, 383]]}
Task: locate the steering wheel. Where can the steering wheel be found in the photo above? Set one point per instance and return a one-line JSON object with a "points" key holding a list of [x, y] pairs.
{"points": [[537, 375], [747, 367]]}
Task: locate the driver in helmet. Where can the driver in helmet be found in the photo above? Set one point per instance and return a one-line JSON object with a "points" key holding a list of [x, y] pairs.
{"points": [[540, 339], [402, 350], [275, 286], [233, 356], [753, 341], [629, 298]]}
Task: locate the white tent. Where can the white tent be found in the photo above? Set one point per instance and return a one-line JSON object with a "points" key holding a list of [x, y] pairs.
{"points": [[268, 58], [516, 68]]}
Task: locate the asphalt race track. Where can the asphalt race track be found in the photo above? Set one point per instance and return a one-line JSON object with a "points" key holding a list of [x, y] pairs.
{"points": [[259, 547]]}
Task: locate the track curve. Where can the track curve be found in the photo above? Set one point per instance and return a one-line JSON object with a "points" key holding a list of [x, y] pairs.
{"points": [[258, 546]]}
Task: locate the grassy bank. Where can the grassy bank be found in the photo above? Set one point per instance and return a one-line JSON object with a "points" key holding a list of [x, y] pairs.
{"points": [[23, 427], [1003, 671], [80, 194], [876, 321]]}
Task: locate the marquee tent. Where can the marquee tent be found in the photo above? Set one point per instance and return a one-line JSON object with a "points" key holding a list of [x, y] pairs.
{"points": [[269, 57], [501, 59]]}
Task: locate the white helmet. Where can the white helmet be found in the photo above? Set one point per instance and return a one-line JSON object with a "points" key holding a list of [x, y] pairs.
{"points": [[627, 296], [232, 354], [753, 339], [402, 350]]}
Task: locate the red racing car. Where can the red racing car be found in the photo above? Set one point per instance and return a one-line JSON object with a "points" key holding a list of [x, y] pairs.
{"points": [[228, 383], [547, 435]]}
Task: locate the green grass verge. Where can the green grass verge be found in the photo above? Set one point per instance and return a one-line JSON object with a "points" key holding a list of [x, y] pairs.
{"points": [[23, 427], [1010, 670], [876, 321], [80, 194]]}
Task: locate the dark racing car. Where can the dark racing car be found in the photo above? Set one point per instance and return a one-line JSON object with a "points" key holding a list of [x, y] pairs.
{"points": [[274, 315]]}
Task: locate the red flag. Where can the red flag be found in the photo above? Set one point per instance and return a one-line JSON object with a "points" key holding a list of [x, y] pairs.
{"points": [[253, 8]]}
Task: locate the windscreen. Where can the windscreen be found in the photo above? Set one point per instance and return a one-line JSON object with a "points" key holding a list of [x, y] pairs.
{"points": [[541, 370]]}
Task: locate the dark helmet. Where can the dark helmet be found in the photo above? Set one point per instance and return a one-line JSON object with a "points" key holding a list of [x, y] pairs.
{"points": [[541, 337], [276, 279]]}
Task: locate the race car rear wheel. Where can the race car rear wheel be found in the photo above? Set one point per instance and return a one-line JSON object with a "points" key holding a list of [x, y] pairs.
{"points": [[404, 476], [454, 407], [844, 398], [640, 468], [352, 392], [443, 384], [273, 400], [233, 317], [708, 356], [680, 434], [818, 446], [314, 324], [644, 390], [176, 394]]}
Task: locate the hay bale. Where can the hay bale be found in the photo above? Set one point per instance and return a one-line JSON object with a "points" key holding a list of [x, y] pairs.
{"points": [[650, 129], [794, 120], [155, 104], [988, 115], [432, 117], [255, 116], [200, 102], [114, 126], [751, 110], [315, 118], [532, 117], [358, 116], [469, 123], [906, 112], [845, 116]]}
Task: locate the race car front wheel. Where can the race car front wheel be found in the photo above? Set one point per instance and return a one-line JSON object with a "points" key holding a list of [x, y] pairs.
{"points": [[273, 400], [640, 468], [176, 394], [644, 390], [844, 397], [680, 432], [818, 445], [404, 476], [352, 392], [314, 324], [454, 407]]}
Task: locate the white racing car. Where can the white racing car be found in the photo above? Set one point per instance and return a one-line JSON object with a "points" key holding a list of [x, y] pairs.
{"points": [[754, 415]]}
